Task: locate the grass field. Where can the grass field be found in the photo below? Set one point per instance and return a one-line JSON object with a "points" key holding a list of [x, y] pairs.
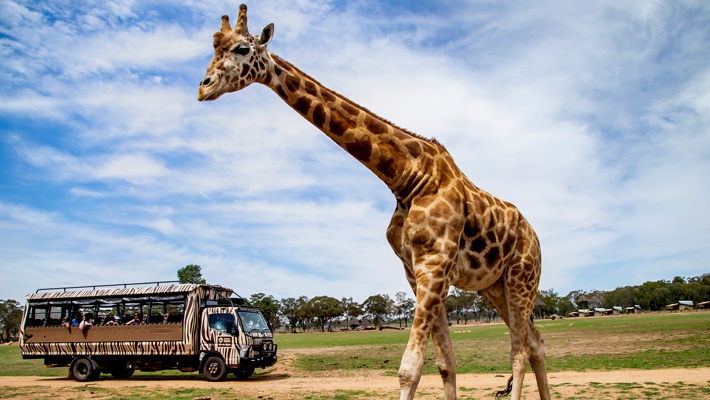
{"points": [[646, 341]]}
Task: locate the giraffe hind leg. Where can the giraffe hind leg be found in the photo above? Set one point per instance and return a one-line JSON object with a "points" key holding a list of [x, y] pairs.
{"points": [[495, 297], [537, 359]]}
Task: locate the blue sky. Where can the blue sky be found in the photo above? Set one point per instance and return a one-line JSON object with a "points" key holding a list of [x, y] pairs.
{"points": [[592, 117]]}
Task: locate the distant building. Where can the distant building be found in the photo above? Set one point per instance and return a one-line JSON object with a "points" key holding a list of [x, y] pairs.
{"points": [[585, 312], [601, 311], [633, 310], [682, 305]]}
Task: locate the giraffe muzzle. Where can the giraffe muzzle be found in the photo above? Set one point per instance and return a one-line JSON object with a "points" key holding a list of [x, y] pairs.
{"points": [[205, 91]]}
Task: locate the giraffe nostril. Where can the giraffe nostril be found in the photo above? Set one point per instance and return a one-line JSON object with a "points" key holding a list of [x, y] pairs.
{"points": [[206, 82]]}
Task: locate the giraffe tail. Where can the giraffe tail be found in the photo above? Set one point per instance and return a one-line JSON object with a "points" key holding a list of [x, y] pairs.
{"points": [[506, 391]]}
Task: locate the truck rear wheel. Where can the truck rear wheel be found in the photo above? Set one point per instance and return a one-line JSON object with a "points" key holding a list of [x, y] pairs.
{"points": [[84, 370], [122, 370], [214, 369], [243, 373]]}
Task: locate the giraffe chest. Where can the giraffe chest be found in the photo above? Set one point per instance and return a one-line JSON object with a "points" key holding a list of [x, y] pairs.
{"points": [[473, 249]]}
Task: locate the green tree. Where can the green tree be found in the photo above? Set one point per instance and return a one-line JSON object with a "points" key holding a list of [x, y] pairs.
{"points": [[551, 300], [269, 307], [621, 297], [351, 309], [403, 307], [325, 308], [377, 307], [467, 300], [484, 309], [290, 309], [191, 274], [10, 317], [305, 313], [460, 302], [451, 306], [565, 306]]}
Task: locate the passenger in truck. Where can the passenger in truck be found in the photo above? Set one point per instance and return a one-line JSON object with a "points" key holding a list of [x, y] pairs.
{"points": [[87, 322], [135, 321]]}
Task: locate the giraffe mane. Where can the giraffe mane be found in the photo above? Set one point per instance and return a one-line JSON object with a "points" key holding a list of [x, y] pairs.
{"points": [[290, 66]]}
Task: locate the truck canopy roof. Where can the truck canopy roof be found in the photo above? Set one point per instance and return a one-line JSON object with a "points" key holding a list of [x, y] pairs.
{"points": [[66, 293]]}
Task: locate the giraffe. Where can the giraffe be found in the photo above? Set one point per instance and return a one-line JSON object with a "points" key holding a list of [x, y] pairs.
{"points": [[446, 231]]}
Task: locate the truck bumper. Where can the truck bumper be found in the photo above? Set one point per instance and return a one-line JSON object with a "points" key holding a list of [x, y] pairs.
{"points": [[263, 361]]}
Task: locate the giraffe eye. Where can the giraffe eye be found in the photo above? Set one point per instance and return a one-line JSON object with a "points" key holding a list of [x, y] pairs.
{"points": [[242, 51]]}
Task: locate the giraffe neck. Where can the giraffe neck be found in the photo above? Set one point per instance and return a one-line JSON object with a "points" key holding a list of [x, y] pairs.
{"points": [[393, 154]]}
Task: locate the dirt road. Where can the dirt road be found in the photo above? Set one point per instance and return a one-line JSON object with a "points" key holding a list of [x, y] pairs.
{"points": [[279, 383]]}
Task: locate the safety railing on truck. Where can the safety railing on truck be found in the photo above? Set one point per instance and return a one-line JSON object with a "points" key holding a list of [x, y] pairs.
{"points": [[113, 285]]}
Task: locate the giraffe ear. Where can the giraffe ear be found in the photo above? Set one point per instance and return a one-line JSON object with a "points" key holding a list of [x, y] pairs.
{"points": [[266, 36]]}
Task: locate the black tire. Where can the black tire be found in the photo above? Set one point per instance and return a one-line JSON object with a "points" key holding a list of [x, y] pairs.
{"points": [[214, 369], [243, 373], [96, 374], [123, 370], [84, 371]]}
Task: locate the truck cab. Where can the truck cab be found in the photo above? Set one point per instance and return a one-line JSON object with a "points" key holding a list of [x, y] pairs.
{"points": [[234, 337]]}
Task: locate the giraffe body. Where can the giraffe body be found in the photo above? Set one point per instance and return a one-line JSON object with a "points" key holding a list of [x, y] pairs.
{"points": [[446, 231]]}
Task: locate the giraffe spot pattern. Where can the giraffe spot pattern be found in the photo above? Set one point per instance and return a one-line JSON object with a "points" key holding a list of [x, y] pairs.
{"points": [[339, 124], [361, 149], [302, 105], [319, 116]]}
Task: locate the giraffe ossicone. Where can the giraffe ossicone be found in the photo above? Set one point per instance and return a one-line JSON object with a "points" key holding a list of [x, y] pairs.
{"points": [[446, 231]]}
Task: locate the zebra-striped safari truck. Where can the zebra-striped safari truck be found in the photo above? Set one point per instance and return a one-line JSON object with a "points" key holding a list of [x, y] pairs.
{"points": [[149, 328]]}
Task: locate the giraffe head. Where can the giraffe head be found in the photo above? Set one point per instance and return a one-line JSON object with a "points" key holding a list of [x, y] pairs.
{"points": [[239, 58]]}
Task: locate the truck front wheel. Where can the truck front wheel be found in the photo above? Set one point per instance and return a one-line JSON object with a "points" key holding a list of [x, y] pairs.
{"points": [[243, 373], [84, 370], [214, 369]]}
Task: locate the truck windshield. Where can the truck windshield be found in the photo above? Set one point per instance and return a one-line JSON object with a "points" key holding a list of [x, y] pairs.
{"points": [[253, 322]]}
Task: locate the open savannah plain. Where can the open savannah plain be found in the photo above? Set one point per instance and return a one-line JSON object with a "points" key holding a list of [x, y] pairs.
{"points": [[646, 356]]}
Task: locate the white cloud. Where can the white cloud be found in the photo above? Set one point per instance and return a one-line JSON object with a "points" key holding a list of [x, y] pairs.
{"points": [[591, 118]]}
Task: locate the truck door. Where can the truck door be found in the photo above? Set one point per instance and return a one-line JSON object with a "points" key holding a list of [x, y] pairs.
{"points": [[219, 333]]}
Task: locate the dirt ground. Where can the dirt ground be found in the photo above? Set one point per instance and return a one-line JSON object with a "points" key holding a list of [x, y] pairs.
{"points": [[283, 383]]}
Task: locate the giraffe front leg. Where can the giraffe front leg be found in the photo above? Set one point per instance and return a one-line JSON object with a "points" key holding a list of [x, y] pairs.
{"points": [[445, 360], [431, 293], [519, 350]]}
